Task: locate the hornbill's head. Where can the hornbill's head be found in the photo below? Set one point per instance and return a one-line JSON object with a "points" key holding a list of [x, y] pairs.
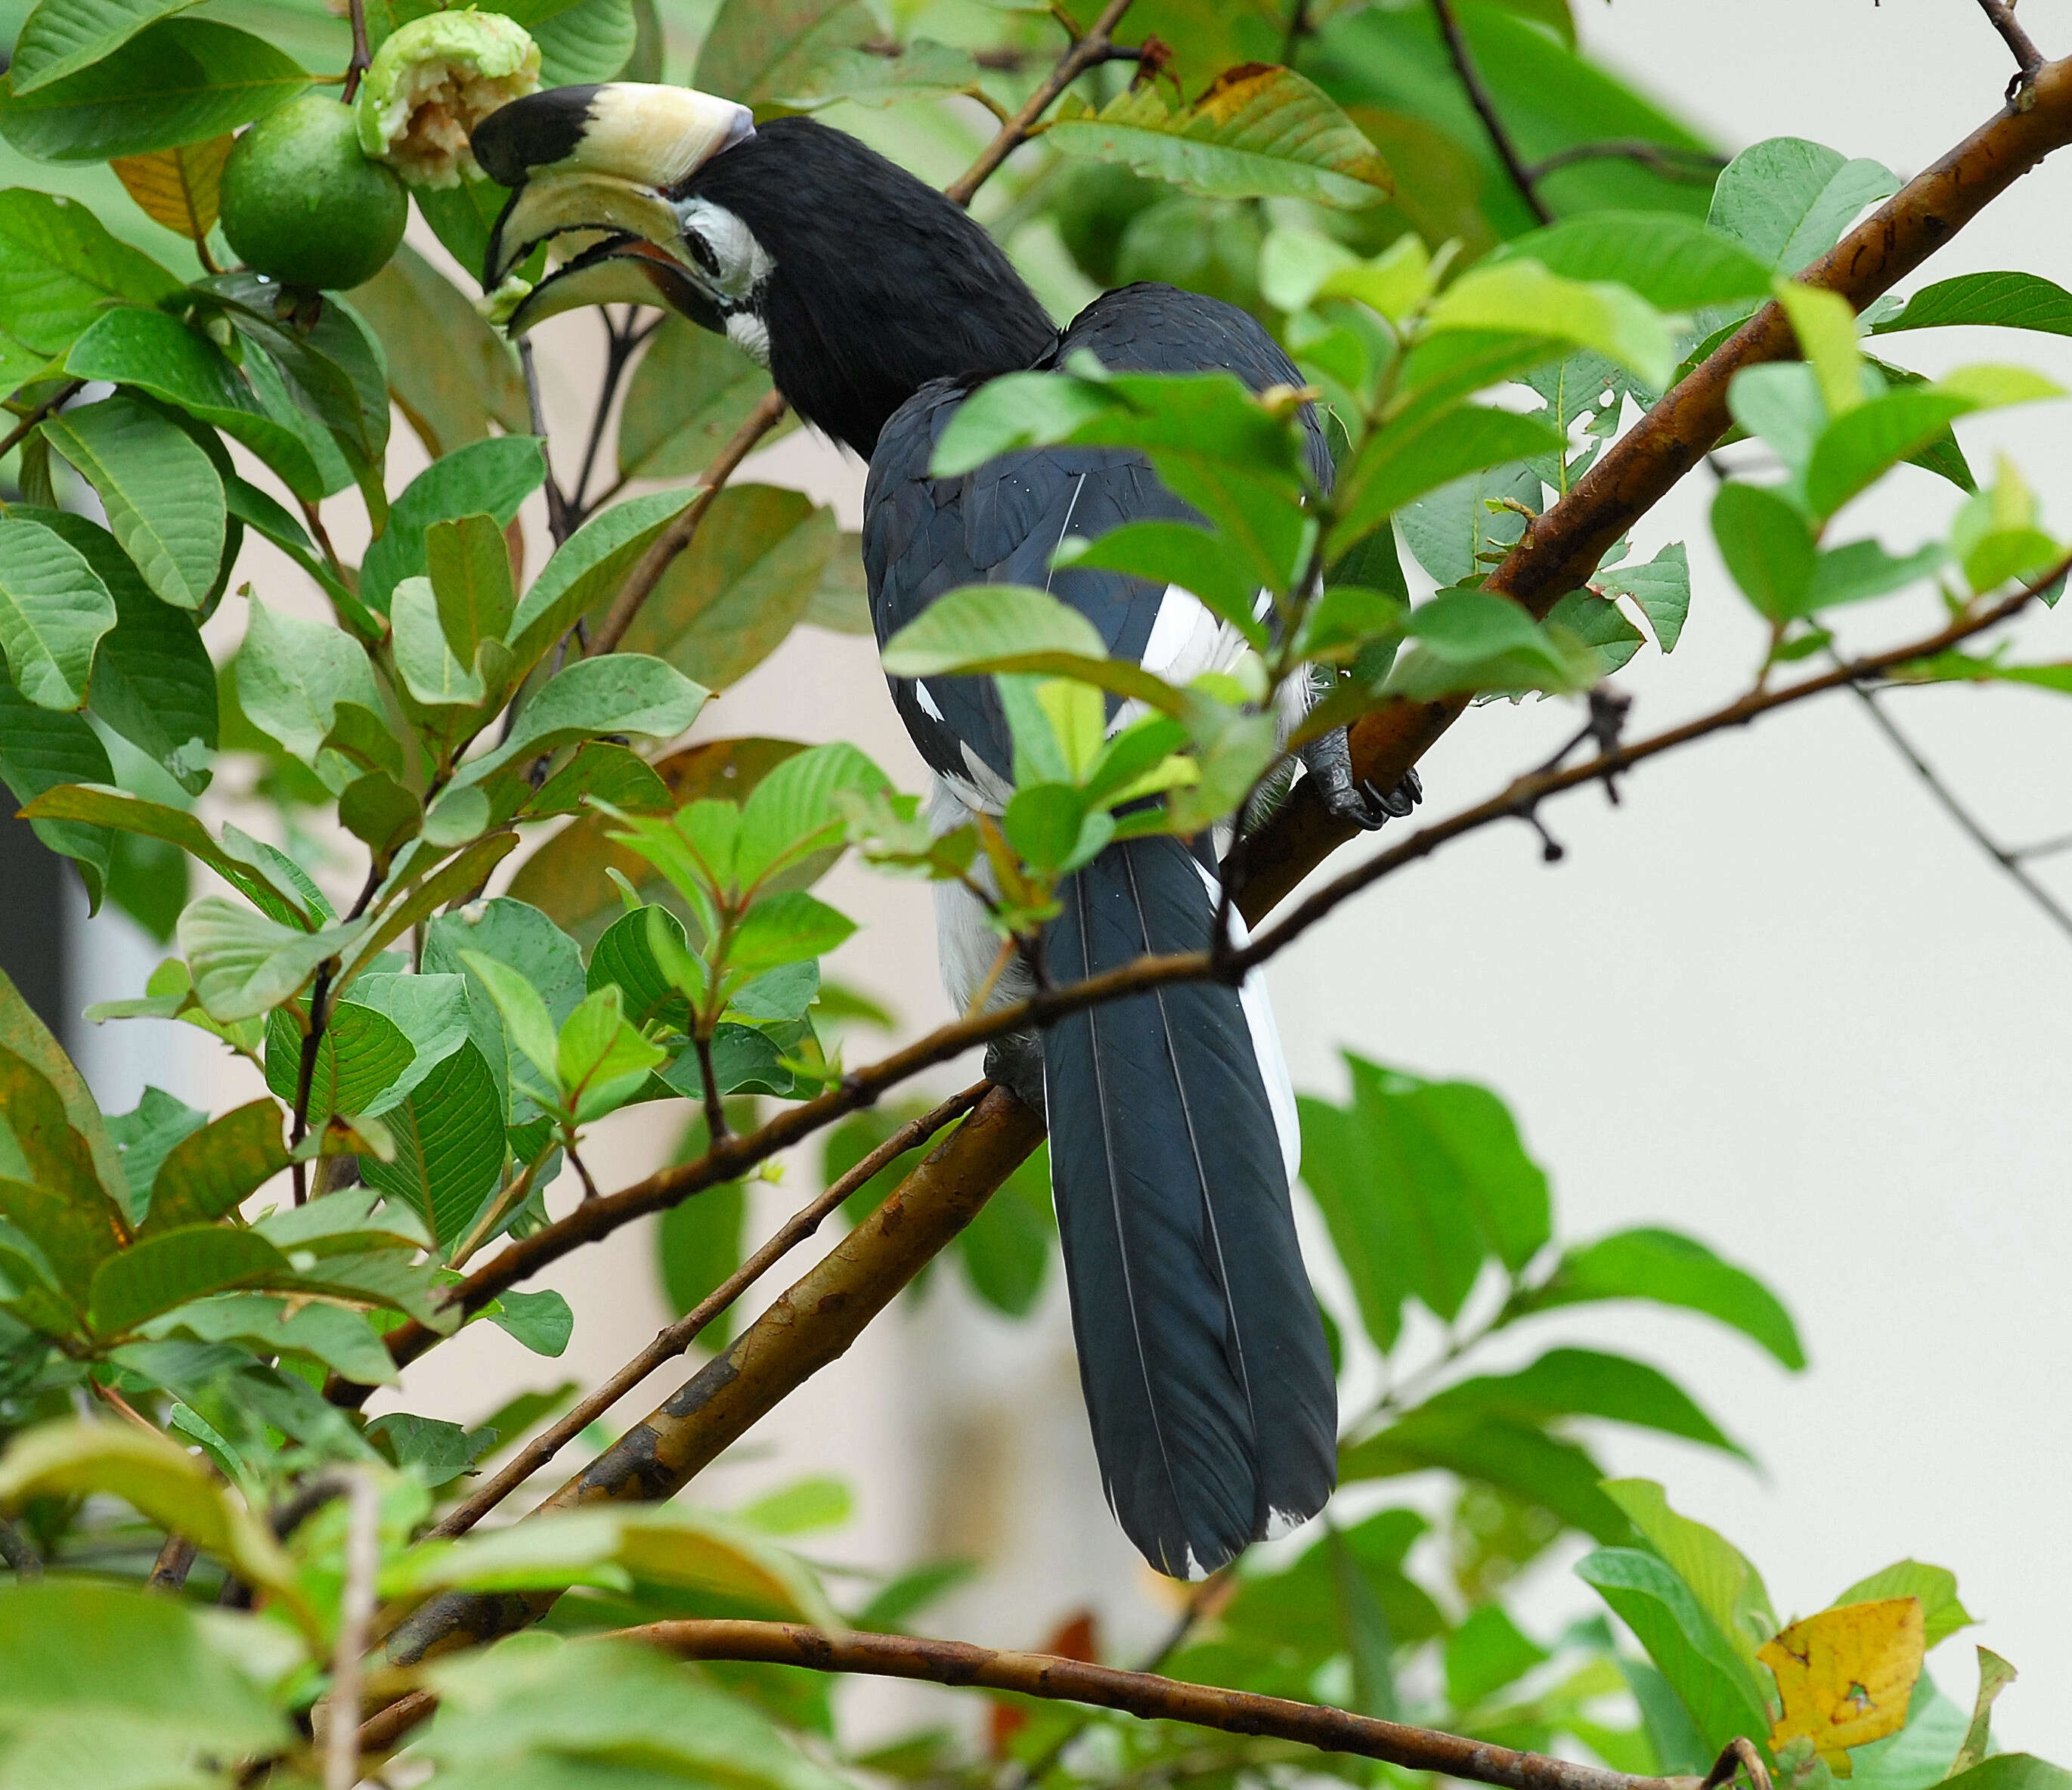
{"points": [[853, 282]]}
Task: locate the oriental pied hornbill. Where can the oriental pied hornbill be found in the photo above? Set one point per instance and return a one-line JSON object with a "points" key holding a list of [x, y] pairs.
{"points": [[877, 304]]}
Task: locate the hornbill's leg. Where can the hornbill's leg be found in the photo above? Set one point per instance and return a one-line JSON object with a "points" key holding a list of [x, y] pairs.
{"points": [[1329, 760]]}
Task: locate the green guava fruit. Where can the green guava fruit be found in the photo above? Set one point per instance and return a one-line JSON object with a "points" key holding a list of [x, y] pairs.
{"points": [[301, 202]]}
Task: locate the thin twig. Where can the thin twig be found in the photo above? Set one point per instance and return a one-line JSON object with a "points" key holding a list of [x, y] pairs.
{"points": [[715, 1104], [124, 1409], [558, 524], [1739, 1754], [2010, 862], [363, 1563], [861, 1087], [1084, 53], [641, 581], [170, 1571], [64, 394], [1670, 160], [1479, 98], [306, 1077], [2028, 58], [19, 1551], [671, 1343], [624, 340], [356, 11]]}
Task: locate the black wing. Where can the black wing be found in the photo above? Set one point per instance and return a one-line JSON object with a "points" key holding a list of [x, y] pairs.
{"points": [[1000, 525]]}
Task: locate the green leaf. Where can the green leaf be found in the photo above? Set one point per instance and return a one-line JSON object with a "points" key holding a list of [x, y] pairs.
{"points": [[42, 749], [156, 354], [1256, 132], [1767, 545], [292, 675], [1670, 1269], [996, 627], [541, 1321], [437, 1450], [491, 477], [1486, 1653], [60, 37], [1943, 1613], [1662, 587], [1515, 1456], [744, 583], [1995, 1676], [1177, 553], [212, 1172], [795, 813], [362, 1055], [584, 44], [1722, 1578], [451, 374], [1856, 449], [59, 267], [1474, 639], [686, 398], [244, 964], [1675, 263], [821, 1502], [2013, 1772], [1522, 295], [756, 51], [425, 659], [1453, 532], [160, 1272], [616, 693], [1859, 570], [449, 1144], [590, 563], [1402, 461], [528, 942], [181, 80], [1716, 1688], [1006, 1250], [53, 612], [697, 1245], [526, 1020], [540, 1711], [1571, 1382], [152, 680], [1787, 201], [144, 1137], [164, 501], [2012, 300], [1420, 1182], [1596, 623], [783, 929], [599, 1058], [163, 1483], [341, 1340], [469, 563]]}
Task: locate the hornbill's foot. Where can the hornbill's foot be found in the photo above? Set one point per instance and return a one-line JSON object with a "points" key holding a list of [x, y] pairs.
{"points": [[1361, 804], [1015, 1062]]}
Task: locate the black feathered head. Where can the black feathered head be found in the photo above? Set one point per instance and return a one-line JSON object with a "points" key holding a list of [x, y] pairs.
{"points": [[853, 282]]}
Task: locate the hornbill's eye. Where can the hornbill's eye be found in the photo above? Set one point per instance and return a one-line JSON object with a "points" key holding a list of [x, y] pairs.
{"points": [[604, 159]]}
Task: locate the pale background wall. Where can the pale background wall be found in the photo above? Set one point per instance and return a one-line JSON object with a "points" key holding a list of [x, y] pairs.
{"points": [[1775, 999]]}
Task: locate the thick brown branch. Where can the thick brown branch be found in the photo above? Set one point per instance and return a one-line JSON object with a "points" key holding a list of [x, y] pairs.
{"points": [[672, 1342], [1560, 549], [1480, 97], [812, 1324], [1084, 54]]}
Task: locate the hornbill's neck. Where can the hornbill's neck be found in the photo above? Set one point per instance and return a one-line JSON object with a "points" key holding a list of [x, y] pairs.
{"points": [[855, 283], [874, 282]]}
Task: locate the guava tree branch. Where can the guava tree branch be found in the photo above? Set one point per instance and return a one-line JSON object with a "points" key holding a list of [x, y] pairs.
{"points": [[672, 1341], [1560, 550], [812, 1324], [1140, 1693], [1081, 54], [1519, 800]]}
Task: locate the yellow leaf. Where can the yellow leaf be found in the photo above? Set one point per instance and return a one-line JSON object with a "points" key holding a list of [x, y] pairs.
{"points": [[177, 187], [1846, 1674]]}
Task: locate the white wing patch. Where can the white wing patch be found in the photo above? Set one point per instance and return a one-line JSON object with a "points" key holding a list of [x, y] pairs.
{"points": [[924, 696]]}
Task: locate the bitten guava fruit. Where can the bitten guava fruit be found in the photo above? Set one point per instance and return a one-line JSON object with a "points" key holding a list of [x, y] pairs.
{"points": [[301, 202], [432, 82]]}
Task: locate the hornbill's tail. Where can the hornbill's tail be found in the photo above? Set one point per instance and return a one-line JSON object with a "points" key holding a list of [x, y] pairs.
{"points": [[1201, 1351]]}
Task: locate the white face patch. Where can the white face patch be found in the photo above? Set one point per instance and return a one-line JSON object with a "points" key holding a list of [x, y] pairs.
{"points": [[738, 263], [749, 334]]}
